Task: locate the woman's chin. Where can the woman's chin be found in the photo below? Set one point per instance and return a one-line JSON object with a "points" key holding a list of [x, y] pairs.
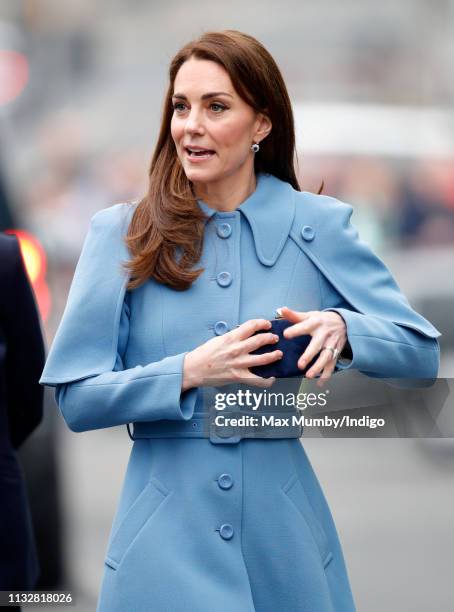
{"points": [[200, 174]]}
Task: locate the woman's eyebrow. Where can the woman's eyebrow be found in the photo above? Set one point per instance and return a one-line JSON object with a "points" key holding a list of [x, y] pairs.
{"points": [[212, 94]]}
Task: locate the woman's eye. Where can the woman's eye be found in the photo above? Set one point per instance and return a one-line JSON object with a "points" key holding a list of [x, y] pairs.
{"points": [[180, 106], [221, 106]]}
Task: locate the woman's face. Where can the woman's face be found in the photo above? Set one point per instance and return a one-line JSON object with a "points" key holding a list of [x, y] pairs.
{"points": [[208, 114]]}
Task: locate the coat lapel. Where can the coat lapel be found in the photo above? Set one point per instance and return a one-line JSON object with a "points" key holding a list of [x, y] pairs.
{"points": [[270, 211]]}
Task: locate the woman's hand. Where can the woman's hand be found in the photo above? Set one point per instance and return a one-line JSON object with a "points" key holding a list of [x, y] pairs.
{"points": [[327, 329], [225, 359]]}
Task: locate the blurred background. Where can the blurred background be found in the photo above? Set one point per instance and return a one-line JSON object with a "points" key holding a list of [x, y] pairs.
{"points": [[81, 90]]}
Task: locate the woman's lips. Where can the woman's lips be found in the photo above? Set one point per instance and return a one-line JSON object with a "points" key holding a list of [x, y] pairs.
{"points": [[202, 156]]}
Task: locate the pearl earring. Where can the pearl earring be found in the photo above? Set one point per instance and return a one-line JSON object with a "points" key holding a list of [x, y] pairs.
{"points": [[255, 147]]}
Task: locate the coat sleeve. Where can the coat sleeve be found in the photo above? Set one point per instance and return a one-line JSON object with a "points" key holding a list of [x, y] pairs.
{"points": [[382, 349], [85, 364], [387, 337], [142, 393]]}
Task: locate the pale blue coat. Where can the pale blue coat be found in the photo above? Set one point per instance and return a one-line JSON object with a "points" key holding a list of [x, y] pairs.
{"points": [[118, 356]]}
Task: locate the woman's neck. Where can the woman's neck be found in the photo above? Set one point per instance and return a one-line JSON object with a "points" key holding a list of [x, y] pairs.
{"points": [[227, 194]]}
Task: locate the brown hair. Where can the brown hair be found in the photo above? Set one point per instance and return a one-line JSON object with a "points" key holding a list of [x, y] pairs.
{"points": [[165, 236]]}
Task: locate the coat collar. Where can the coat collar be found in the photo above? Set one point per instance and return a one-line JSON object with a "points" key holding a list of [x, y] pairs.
{"points": [[270, 211]]}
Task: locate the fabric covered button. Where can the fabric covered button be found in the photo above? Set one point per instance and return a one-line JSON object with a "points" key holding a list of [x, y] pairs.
{"points": [[224, 431], [225, 481], [224, 230], [226, 531], [308, 233], [224, 279], [220, 327]]}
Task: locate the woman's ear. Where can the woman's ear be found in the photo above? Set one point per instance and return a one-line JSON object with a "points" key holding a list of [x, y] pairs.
{"points": [[264, 127]]}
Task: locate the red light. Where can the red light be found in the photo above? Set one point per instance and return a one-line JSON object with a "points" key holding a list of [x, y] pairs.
{"points": [[14, 71], [35, 262]]}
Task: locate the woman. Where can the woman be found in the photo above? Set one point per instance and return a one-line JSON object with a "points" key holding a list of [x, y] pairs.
{"points": [[214, 523]]}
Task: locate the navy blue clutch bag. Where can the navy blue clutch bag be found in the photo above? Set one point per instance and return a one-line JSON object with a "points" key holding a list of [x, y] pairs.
{"points": [[292, 349]]}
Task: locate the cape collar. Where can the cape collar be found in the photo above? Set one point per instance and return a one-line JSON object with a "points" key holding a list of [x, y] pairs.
{"points": [[270, 211]]}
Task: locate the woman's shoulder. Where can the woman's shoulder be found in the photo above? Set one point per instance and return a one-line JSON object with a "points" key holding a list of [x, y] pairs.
{"points": [[320, 205], [115, 214], [107, 229], [325, 215]]}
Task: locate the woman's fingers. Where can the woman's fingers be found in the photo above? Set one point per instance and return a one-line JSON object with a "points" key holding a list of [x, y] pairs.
{"points": [[293, 315], [317, 367], [246, 329], [313, 323], [258, 381], [262, 359], [307, 326], [312, 349], [254, 342], [325, 358], [326, 374]]}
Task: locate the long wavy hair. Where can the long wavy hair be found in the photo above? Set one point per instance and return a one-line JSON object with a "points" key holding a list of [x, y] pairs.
{"points": [[165, 236]]}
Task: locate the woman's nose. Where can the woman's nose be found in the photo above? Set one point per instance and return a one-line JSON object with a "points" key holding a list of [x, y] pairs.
{"points": [[194, 122]]}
